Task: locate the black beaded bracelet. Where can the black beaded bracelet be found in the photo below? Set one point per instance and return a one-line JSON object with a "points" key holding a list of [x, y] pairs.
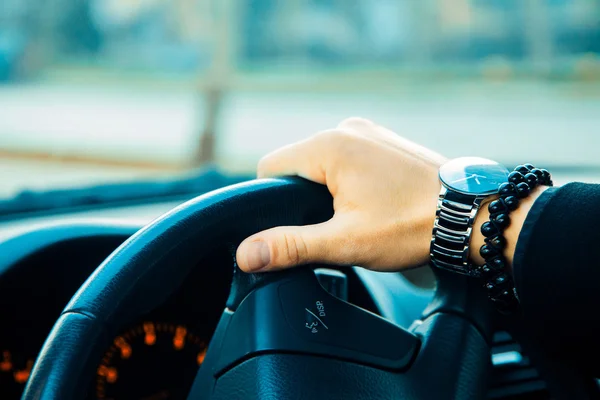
{"points": [[498, 283]]}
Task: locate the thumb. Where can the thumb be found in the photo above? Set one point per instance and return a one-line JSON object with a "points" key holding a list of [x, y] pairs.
{"points": [[287, 246]]}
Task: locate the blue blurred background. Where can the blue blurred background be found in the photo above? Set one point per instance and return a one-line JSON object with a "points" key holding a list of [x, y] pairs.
{"points": [[96, 91]]}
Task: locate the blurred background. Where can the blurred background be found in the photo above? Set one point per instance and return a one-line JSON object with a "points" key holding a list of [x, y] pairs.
{"points": [[95, 91]]}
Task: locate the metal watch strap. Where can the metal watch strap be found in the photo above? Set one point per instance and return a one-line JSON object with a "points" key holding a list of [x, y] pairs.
{"points": [[452, 229]]}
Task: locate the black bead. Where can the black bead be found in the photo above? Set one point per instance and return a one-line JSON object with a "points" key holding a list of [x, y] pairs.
{"points": [[522, 169], [501, 279], [497, 264], [547, 178], [507, 189], [488, 229], [501, 221], [503, 300], [506, 297], [493, 289], [531, 179], [516, 177], [523, 190], [538, 172], [511, 202], [488, 251], [486, 271], [497, 206], [497, 286], [497, 241], [528, 166], [499, 302]]}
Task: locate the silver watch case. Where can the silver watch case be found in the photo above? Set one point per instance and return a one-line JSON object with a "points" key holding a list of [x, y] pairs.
{"points": [[466, 184]]}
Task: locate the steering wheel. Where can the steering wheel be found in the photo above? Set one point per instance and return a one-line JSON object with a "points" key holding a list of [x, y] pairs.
{"points": [[281, 335]]}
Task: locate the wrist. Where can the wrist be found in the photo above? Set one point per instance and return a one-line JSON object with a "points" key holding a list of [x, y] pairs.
{"points": [[511, 234]]}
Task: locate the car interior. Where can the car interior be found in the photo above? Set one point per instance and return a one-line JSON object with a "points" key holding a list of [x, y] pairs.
{"points": [[130, 133], [148, 338]]}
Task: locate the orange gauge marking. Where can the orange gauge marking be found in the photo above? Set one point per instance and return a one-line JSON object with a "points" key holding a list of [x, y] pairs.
{"points": [[110, 373], [117, 358], [5, 364], [179, 338], [150, 337], [123, 346], [200, 358], [22, 375], [102, 370]]}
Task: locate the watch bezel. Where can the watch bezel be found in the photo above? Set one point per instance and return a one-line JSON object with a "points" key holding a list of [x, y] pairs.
{"points": [[451, 164]]}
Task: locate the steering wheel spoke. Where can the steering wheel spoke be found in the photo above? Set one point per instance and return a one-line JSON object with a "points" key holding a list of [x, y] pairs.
{"points": [[291, 313]]}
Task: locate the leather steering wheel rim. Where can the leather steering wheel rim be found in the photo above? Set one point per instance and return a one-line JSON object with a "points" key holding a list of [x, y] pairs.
{"points": [[140, 275]]}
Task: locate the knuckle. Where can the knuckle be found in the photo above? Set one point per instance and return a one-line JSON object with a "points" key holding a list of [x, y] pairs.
{"points": [[356, 123], [289, 249], [293, 248], [302, 248], [333, 135], [337, 141]]}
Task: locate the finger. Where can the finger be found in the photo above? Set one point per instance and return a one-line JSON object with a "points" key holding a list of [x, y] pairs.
{"points": [[288, 246], [295, 159], [305, 158]]}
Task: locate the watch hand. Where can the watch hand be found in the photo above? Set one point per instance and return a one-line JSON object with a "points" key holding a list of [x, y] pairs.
{"points": [[463, 179], [475, 176]]}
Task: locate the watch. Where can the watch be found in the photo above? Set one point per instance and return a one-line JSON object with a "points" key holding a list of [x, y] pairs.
{"points": [[466, 183]]}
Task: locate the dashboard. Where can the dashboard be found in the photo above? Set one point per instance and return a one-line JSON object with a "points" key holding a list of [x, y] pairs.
{"points": [[45, 259]]}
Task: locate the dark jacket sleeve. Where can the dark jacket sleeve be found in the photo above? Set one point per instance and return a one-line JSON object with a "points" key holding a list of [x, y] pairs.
{"points": [[557, 272]]}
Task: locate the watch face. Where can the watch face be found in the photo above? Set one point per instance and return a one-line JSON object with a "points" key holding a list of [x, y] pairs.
{"points": [[473, 175]]}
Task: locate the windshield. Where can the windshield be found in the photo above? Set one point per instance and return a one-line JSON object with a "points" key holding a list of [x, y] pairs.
{"points": [[97, 91]]}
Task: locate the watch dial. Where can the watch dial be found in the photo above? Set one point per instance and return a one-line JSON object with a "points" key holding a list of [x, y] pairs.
{"points": [[473, 175]]}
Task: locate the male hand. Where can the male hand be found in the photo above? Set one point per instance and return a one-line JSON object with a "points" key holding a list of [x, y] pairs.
{"points": [[385, 191]]}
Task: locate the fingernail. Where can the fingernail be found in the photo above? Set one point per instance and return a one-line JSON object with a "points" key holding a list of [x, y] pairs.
{"points": [[258, 255]]}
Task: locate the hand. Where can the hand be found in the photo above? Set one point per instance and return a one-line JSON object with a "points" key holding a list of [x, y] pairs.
{"points": [[385, 191]]}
